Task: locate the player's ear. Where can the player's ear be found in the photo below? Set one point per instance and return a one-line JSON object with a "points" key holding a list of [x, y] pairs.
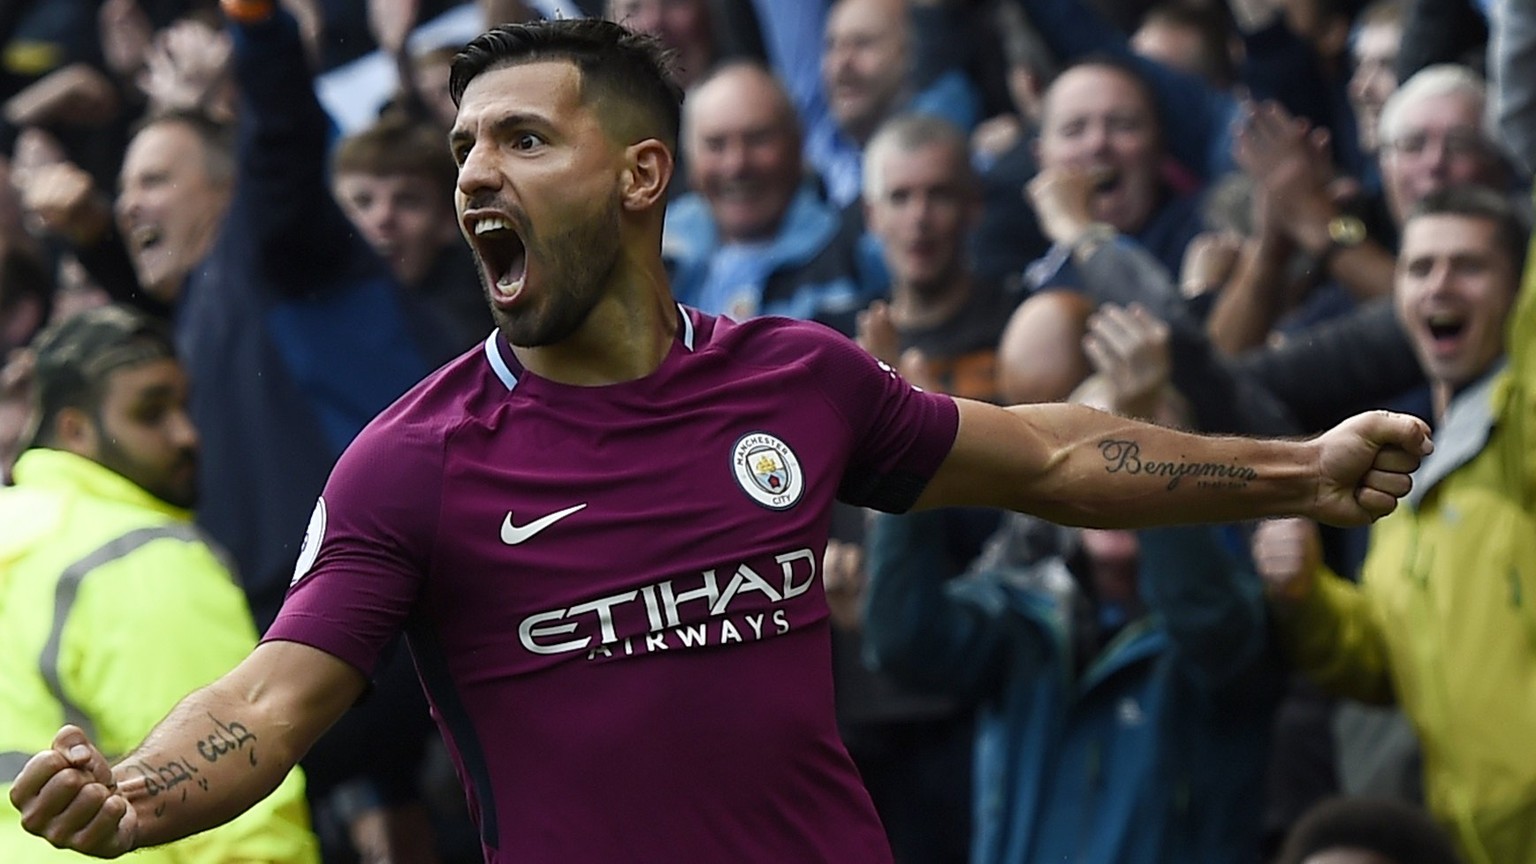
{"points": [[648, 169]]}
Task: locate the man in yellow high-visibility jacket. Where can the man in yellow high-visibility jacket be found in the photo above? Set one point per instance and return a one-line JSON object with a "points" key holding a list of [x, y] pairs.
{"points": [[112, 605], [1443, 621]]}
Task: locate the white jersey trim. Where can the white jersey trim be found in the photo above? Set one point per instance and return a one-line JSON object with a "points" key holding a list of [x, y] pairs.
{"points": [[498, 364], [687, 327]]}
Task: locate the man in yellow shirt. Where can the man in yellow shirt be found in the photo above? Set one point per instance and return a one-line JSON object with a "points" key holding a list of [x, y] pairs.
{"points": [[1443, 621], [112, 605]]}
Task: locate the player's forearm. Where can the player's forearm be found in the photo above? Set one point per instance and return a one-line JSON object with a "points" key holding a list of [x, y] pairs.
{"points": [[230, 744], [1078, 466], [214, 756], [1119, 473]]}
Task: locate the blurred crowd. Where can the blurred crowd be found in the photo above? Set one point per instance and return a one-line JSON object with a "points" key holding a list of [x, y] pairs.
{"points": [[1240, 216]]}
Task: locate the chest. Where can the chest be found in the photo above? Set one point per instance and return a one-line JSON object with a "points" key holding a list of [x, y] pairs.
{"points": [[578, 531]]}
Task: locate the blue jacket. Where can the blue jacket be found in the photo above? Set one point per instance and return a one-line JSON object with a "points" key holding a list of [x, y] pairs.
{"points": [[293, 330], [1154, 753], [818, 267]]}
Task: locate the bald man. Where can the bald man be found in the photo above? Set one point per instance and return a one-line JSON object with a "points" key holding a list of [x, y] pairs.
{"points": [[753, 237]]}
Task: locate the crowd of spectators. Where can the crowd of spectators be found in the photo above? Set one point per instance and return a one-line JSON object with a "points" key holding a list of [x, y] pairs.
{"points": [[1241, 216]]}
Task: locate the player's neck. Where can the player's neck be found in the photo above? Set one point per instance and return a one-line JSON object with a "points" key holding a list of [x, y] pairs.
{"points": [[626, 336]]}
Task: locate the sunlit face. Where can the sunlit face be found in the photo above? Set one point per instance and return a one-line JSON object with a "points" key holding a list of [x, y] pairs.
{"points": [[168, 206], [403, 217], [681, 25], [537, 198], [1436, 143], [743, 152], [1374, 78], [921, 213], [1454, 290], [143, 432], [864, 63], [1097, 118]]}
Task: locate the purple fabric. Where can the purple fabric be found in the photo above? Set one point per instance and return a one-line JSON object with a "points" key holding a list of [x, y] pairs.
{"points": [[647, 677]]}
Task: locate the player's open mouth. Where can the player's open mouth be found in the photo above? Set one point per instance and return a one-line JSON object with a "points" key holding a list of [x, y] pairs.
{"points": [[502, 253]]}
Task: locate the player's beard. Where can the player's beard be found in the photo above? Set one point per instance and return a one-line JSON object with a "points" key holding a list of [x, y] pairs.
{"points": [[573, 272]]}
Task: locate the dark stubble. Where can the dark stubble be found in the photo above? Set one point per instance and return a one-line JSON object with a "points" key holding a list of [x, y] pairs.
{"points": [[574, 269]]}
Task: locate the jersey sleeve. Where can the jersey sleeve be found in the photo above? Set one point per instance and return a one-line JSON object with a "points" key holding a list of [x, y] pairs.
{"points": [[901, 433], [368, 546]]}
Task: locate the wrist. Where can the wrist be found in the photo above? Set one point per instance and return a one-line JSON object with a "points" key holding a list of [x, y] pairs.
{"points": [[1344, 232], [1310, 234]]}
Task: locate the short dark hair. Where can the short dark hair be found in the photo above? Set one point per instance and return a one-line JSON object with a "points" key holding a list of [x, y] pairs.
{"points": [[75, 356], [617, 65], [398, 144], [1480, 202], [1394, 829]]}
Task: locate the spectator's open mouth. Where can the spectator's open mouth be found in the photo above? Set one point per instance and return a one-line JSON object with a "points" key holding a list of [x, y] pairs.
{"points": [[144, 238], [1105, 179], [1444, 329]]}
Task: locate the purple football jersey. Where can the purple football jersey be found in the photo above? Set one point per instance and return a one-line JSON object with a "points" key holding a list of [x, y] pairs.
{"points": [[613, 594]]}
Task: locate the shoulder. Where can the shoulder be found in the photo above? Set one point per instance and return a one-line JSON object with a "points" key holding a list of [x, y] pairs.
{"points": [[411, 433], [458, 390], [32, 517], [772, 340]]}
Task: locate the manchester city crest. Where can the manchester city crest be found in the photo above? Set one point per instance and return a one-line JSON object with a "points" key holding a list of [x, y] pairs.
{"points": [[767, 470]]}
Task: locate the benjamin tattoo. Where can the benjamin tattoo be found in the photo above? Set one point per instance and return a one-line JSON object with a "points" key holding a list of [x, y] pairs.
{"points": [[1124, 457]]}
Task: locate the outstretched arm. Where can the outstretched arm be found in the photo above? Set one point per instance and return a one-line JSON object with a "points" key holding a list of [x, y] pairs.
{"points": [[1078, 466], [220, 750]]}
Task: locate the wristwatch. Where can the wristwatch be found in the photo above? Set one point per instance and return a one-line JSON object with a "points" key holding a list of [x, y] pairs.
{"points": [[1346, 231]]}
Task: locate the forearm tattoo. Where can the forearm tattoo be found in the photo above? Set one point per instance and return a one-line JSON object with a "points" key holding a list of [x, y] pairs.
{"points": [[1123, 456], [225, 738]]}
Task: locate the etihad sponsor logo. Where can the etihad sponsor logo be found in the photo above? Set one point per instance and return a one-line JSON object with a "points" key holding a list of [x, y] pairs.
{"points": [[683, 612], [767, 470]]}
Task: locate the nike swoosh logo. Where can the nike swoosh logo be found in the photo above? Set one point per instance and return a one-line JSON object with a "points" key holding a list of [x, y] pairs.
{"points": [[515, 534]]}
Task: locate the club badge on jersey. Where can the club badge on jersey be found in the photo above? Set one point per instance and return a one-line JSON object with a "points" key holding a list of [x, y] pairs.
{"points": [[767, 470]]}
